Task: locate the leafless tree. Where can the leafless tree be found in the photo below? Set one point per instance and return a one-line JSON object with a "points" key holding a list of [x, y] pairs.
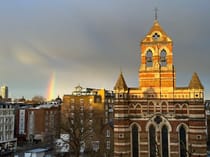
{"points": [[38, 99], [76, 121]]}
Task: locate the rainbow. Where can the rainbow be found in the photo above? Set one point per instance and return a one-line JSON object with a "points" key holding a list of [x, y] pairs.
{"points": [[50, 87]]}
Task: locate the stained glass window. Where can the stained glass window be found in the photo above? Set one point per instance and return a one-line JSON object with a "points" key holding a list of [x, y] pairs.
{"points": [[164, 141], [152, 141], [135, 141], [182, 142]]}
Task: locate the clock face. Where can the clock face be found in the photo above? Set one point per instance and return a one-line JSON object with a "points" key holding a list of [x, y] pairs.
{"points": [[156, 36]]}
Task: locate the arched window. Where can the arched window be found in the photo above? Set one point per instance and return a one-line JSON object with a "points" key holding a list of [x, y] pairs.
{"points": [[184, 109], [152, 141], [135, 141], [149, 61], [138, 108], [163, 61], [178, 109], [182, 142], [164, 136]]}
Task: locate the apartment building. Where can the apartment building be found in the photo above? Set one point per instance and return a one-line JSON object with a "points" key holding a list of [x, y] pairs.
{"points": [[7, 123], [99, 104]]}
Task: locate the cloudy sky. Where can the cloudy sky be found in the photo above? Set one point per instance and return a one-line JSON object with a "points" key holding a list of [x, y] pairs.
{"points": [[88, 42]]}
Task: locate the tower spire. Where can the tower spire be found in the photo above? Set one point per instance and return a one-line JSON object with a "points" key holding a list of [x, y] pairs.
{"points": [[156, 15]]}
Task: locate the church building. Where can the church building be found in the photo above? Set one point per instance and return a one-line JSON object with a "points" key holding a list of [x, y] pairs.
{"points": [[157, 118]]}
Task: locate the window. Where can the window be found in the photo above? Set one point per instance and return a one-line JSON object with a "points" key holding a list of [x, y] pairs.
{"points": [[106, 107], [81, 121], [81, 108], [152, 141], [135, 141], [90, 101], [149, 62], [81, 101], [163, 61], [182, 142], [81, 114], [164, 141], [106, 114], [72, 121], [91, 108], [107, 144], [106, 120], [72, 100], [90, 114], [156, 36], [107, 133]]}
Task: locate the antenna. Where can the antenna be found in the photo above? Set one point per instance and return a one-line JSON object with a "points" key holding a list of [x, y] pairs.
{"points": [[156, 10]]}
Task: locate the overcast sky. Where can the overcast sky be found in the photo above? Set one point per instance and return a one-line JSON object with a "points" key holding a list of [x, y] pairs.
{"points": [[88, 42]]}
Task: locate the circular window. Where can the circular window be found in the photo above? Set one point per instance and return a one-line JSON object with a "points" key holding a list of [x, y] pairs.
{"points": [[156, 36]]}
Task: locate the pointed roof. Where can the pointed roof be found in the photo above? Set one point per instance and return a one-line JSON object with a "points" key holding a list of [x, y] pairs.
{"points": [[120, 84], [156, 29], [195, 82]]}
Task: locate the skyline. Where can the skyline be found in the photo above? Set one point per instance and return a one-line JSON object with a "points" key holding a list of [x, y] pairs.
{"points": [[89, 43]]}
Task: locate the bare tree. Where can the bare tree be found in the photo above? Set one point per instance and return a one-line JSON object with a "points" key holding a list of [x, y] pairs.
{"points": [[76, 121], [38, 99]]}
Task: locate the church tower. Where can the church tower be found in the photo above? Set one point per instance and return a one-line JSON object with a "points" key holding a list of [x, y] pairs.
{"points": [[157, 70], [157, 118]]}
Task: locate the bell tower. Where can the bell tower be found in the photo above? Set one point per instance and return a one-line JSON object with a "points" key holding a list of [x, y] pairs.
{"points": [[157, 70]]}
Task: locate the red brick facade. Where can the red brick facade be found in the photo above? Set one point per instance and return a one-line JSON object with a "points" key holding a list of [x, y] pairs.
{"points": [[157, 118]]}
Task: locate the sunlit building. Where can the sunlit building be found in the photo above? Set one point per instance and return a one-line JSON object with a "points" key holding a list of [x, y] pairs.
{"points": [[99, 104], [207, 105], [4, 92], [157, 118], [21, 121]]}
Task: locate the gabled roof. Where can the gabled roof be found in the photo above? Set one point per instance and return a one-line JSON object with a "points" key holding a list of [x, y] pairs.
{"points": [[156, 28], [120, 84], [195, 82]]}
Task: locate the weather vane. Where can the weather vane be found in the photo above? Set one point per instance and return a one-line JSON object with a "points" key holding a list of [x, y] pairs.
{"points": [[156, 10]]}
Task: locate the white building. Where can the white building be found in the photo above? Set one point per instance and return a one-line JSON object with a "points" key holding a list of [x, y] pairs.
{"points": [[7, 121]]}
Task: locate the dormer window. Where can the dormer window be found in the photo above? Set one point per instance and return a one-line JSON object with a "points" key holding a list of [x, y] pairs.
{"points": [[163, 61], [156, 36], [149, 61]]}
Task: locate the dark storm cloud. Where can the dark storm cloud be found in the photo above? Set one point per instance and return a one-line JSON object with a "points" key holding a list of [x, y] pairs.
{"points": [[90, 42]]}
